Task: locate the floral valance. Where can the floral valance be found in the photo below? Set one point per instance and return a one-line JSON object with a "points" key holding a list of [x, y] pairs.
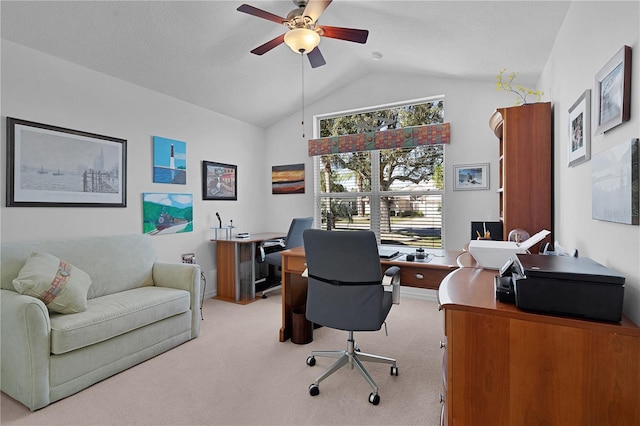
{"points": [[407, 137]]}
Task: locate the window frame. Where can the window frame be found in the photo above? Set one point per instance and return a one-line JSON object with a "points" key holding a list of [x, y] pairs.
{"points": [[374, 194]]}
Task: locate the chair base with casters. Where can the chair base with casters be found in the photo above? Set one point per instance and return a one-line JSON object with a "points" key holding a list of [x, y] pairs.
{"points": [[270, 289], [351, 357], [267, 286]]}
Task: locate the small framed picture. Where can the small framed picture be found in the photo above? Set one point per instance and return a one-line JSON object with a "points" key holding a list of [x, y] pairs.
{"points": [[471, 176], [219, 181], [580, 129], [287, 179], [169, 161], [613, 92]]}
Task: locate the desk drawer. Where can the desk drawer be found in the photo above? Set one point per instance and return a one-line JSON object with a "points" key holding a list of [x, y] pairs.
{"points": [[422, 277], [294, 264]]}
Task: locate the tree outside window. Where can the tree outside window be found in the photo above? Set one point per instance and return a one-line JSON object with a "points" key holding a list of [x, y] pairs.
{"points": [[397, 193]]}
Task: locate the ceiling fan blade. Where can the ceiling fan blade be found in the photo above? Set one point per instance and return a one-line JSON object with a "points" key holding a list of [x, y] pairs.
{"points": [[348, 34], [261, 50], [315, 58], [315, 8], [246, 8]]}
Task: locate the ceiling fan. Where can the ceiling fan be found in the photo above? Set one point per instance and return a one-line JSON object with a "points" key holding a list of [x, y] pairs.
{"points": [[304, 32]]}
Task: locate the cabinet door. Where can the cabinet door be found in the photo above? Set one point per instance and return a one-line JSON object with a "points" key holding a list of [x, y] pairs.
{"points": [[565, 375], [478, 375]]}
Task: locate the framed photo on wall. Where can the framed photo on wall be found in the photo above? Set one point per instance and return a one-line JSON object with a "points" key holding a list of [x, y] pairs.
{"points": [[613, 91], [49, 166], [471, 176], [580, 129], [219, 181]]}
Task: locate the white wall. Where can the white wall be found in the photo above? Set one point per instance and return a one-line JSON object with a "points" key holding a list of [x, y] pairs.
{"points": [[468, 106], [44, 89], [590, 35]]}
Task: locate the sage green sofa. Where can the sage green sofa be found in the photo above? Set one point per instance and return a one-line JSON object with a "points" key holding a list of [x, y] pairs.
{"points": [[136, 308]]}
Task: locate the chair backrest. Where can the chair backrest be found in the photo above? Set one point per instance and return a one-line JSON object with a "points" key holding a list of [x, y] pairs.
{"points": [[297, 227], [345, 275]]}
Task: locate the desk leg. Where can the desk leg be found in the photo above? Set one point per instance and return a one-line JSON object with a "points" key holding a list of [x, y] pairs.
{"points": [[294, 294]]}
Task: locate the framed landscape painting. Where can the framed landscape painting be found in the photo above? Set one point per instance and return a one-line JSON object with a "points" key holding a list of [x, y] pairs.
{"points": [[287, 179], [50, 166]]}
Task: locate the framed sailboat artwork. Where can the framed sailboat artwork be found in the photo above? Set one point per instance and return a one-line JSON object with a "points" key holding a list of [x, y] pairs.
{"points": [[50, 166]]}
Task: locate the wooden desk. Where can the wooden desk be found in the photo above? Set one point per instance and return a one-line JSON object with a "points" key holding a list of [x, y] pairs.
{"points": [[414, 274], [236, 266], [504, 366]]}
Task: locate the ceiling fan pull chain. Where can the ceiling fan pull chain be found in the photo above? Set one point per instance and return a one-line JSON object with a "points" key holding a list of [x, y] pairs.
{"points": [[302, 62]]}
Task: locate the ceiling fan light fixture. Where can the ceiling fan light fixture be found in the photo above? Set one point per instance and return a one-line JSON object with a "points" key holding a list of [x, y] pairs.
{"points": [[302, 40]]}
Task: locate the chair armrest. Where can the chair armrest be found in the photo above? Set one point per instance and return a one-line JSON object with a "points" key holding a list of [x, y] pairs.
{"points": [[277, 242], [271, 245], [25, 347], [391, 282], [182, 276]]}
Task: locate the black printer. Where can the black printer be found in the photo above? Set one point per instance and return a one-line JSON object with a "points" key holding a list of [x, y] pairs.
{"points": [[574, 286]]}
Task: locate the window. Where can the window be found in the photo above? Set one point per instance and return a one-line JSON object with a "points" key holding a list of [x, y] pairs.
{"points": [[397, 193]]}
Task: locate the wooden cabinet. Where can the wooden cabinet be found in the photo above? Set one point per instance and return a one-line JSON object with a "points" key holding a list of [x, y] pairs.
{"points": [[505, 366], [237, 270], [526, 167]]}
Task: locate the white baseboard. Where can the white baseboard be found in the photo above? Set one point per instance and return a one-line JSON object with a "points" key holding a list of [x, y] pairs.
{"points": [[405, 291]]}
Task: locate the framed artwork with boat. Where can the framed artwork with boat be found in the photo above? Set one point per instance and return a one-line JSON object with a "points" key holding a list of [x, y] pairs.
{"points": [[50, 166]]}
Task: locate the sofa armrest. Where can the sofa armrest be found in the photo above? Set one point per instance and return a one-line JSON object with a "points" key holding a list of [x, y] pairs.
{"points": [[25, 348], [182, 276]]}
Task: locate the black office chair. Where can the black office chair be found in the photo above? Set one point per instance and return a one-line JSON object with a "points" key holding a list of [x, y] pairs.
{"points": [[346, 292], [269, 251]]}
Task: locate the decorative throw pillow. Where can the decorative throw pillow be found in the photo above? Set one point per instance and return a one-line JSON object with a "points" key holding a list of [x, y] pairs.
{"points": [[61, 286]]}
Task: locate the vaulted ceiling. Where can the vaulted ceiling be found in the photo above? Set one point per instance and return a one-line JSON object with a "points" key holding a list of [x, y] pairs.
{"points": [[198, 51]]}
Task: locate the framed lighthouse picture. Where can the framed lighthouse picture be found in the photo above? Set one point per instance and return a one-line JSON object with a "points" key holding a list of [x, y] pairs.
{"points": [[169, 161]]}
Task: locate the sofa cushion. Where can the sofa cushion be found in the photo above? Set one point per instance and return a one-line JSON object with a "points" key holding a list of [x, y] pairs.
{"points": [[114, 314], [60, 285]]}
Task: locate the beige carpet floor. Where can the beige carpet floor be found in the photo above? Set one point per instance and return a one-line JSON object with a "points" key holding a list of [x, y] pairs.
{"points": [[238, 373]]}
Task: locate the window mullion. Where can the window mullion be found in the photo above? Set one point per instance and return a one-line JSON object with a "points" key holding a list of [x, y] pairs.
{"points": [[374, 199], [317, 193]]}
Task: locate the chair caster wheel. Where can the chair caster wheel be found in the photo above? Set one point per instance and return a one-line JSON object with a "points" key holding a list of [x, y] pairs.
{"points": [[311, 361], [264, 296], [394, 371], [374, 398], [314, 390]]}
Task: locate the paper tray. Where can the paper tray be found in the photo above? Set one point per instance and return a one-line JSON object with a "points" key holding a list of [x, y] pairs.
{"points": [[493, 254]]}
